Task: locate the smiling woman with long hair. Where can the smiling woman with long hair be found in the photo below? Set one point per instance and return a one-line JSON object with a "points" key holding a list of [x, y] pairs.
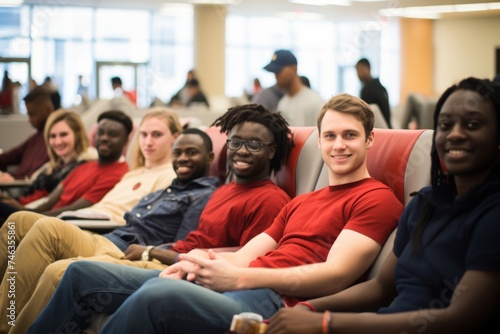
{"points": [[67, 146]]}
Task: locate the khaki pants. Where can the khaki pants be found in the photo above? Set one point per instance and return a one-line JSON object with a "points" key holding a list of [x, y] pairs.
{"points": [[48, 246]]}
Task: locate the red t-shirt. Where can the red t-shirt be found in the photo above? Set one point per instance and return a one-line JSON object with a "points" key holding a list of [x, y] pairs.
{"points": [[30, 155], [132, 96], [307, 227], [37, 194], [235, 214], [6, 99], [91, 181]]}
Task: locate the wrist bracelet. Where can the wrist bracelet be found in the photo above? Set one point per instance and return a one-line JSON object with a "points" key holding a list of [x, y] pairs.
{"points": [[309, 305], [327, 318]]}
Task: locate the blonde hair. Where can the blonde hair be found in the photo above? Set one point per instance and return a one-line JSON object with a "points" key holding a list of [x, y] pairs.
{"points": [[171, 120], [76, 125]]}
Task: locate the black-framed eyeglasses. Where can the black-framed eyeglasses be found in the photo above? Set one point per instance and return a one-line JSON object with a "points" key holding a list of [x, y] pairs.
{"points": [[251, 145]]}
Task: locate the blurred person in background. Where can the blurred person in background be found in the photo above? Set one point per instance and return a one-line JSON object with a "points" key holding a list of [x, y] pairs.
{"points": [[32, 153]]}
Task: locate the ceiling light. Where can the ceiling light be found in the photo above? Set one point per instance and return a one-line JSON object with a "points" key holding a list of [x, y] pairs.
{"points": [[322, 2], [215, 2], [433, 12], [493, 5], [432, 9], [300, 15], [472, 7], [177, 9], [10, 3]]}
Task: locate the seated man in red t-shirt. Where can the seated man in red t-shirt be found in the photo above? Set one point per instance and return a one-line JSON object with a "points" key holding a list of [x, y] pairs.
{"points": [[260, 144], [88, 183], [320, 243]]}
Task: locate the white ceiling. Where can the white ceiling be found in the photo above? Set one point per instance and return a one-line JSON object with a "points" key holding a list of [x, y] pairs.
{"points": [[359, 9]]}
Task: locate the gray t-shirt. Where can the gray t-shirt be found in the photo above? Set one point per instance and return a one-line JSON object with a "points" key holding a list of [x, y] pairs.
{"points": [[269, 97], [302, 109]]}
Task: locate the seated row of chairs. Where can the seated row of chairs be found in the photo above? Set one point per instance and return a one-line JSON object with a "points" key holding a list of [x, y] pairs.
{"points": [[399, 158]]}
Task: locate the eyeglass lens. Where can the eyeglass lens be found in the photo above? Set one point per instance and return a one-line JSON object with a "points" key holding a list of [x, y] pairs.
{"points": [[251, 145]]}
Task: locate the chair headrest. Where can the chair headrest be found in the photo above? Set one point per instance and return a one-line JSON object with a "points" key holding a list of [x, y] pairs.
{"points": [[401, 160], [300, 173], [218, 167]]}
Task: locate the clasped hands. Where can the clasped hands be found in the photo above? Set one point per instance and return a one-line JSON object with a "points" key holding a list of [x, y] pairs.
{"points": [[205, 268]]}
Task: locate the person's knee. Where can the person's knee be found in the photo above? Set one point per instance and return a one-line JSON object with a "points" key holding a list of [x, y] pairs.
{"points": [[76, 269], [48, 226], [23, 222], [77, 272], [158, 290], [156, 286], [54, 272], [70, 275], [20, 217], [13, 217], [49, 222]]}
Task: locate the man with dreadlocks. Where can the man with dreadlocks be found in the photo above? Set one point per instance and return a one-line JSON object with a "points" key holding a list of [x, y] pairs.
{"points": [[442, 275], [259, 144], [319, 243]]}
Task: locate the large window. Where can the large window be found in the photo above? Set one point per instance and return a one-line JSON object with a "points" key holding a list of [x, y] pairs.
{"points": [[171, 54], [326, 51], [61, 22], [64, 42], [14, 31]]}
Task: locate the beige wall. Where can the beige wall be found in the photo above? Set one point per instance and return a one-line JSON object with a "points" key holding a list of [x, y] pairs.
{"points": [[464, 47], [209, 47], [417, 56]]}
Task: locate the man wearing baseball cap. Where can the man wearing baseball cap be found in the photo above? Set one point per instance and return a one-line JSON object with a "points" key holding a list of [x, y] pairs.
{"points": [[300, 105]]}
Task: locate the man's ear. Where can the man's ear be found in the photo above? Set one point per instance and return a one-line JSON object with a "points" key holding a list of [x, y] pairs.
{"points": [[48, 110], [211, 157], [272, 152], [370, 140]]}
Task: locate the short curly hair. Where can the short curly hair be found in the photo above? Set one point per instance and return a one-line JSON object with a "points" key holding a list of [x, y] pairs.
{"points": [[118, 116]]}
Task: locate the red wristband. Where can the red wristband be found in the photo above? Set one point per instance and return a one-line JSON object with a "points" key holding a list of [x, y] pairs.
{"points": [[327, 318], [309, 305]]}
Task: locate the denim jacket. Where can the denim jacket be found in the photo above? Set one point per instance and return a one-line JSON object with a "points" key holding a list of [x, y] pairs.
{"points": [[165, 216]]}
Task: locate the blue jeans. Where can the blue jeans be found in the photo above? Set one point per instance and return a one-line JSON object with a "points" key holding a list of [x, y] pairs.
{"points": [[144, 303]]}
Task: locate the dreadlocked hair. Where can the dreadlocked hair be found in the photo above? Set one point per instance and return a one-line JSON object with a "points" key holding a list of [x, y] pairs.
{"points": [[274, 121], [489, 91]]}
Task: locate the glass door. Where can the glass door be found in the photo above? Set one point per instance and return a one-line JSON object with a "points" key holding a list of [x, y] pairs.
{"points": [[132, 76]]}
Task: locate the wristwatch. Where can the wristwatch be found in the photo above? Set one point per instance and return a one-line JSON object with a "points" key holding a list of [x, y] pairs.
{"points": [[145, 254]]}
